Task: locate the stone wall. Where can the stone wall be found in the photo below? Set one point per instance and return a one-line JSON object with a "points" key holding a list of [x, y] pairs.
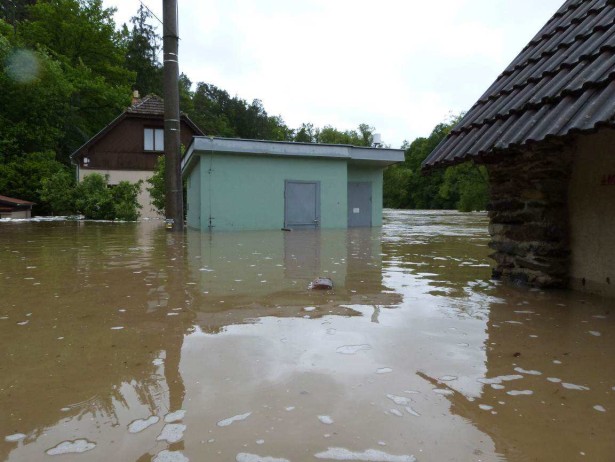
{"points": [[528, 215]]}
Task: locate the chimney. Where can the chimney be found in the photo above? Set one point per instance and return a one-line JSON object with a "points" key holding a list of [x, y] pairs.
{"points": [[135, 97]]}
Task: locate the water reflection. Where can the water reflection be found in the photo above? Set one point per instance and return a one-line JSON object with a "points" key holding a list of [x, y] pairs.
{"points": [[108, 329]]}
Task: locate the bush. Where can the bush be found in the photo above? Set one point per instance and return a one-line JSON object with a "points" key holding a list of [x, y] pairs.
{"points": [[58, 191], [97, 201]]}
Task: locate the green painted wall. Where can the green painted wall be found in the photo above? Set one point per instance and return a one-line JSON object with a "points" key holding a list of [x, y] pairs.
{"points": [[375, 176], [193, 197], [246, 192]]}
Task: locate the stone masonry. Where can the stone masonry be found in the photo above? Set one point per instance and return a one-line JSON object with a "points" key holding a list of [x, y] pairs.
{"points": [[528, 213]]}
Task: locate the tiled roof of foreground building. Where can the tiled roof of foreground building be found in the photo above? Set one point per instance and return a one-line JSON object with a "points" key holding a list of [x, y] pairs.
{"points": [[563, 82]]}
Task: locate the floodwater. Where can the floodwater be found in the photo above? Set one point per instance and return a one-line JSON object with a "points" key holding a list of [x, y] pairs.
{"points": [[125, 342]]}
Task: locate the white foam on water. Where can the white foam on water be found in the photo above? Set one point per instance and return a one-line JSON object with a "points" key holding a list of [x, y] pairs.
{"points": [[500, 379], [158, 362], [556, 361], [396, 412], [554, 379], [443, 391], [384, 370], [513, 322], [235, 418], [497, 386], [523, 371], [572, 386], [71, 447], [327, 420], [309, 308], [14, 437], [289, 408], [447, 378], [172, 433], [170, 456], [595, 333], [172, 314], [174, 416], [260, 442], [599, 408], [411, 411], [599, 316], [117, 328], [412, 392], [22, 323], [331, 331], [139, 425], [519, 392], [524, 312], [371, 455], [400, 400], [245, 457], [485, 407], [352, 349]]}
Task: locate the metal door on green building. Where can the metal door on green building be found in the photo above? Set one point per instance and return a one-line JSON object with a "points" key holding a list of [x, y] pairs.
{"points": [[359, 204], [301, 204]]}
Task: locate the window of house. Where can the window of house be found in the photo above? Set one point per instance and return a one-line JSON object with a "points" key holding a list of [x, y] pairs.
{"points": [[153, 139]]}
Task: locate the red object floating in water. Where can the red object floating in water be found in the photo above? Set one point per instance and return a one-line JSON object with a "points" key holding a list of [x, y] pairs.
{"points": [[321, 284]]}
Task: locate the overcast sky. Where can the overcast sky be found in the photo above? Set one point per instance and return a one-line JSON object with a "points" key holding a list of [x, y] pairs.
{"points": [[401, 66]]}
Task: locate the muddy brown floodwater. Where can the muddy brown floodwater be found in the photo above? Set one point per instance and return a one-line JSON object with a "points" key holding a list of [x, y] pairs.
{"points": [[124, 342]]}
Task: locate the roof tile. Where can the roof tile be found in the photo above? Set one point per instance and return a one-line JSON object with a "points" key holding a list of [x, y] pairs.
{"points": [[562, 82]]}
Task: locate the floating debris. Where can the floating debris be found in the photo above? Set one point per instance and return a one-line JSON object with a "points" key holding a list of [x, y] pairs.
{"points": [[327, 420], [245, 457], [371, 455], [14, 438], [523, 371], [71, 447], [321, 284], [174, 416], [235, 418], [172, 433], [599, 408], [170, 456], [137, 426]]}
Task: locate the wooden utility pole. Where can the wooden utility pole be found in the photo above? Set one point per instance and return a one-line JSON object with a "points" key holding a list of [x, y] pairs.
{"points": [[174, 199]]}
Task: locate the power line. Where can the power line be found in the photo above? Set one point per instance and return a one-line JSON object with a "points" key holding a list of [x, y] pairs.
{"points": [[151, 12]]}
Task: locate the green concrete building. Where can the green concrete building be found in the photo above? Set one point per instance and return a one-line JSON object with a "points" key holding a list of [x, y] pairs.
{"points": [[236, 184]]}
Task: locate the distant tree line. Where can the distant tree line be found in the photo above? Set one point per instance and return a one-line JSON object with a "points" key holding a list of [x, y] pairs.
{"points": [[66, 71], [463, 187]]}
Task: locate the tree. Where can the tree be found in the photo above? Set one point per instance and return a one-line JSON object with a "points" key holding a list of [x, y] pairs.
{"points": [[58, 191], [142, 47], [157, 185], [463, 187], [23, 177]]}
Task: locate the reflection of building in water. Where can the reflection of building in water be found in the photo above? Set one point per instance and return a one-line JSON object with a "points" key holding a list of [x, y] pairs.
{"points": [[547, 376], [267, 273], [94, 352]]}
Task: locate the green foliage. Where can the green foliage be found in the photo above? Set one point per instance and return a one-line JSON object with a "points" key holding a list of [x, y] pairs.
{"points": [[97, 201], [156, 186], [142, 46], [125, 200], [58, 191], [23, 177], [463, 187]]}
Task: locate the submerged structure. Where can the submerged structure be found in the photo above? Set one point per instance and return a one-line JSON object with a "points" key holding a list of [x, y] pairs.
{"points": [[238, 184], [545, 130], [128, 148]]}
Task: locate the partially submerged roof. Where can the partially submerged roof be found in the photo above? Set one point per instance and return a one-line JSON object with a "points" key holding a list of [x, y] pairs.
{"points": [[368, 156], [563, 82], [148, 106], [5, 200]]}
